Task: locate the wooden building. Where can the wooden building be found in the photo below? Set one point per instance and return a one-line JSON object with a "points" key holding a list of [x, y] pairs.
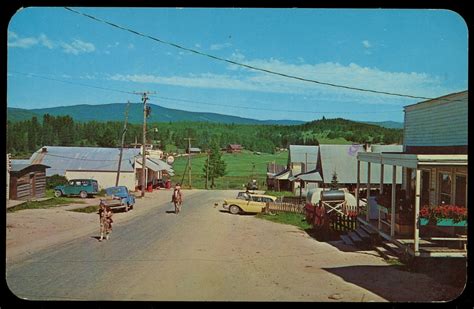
{"points": [[434, 175], [233, 148], [27, 181]]}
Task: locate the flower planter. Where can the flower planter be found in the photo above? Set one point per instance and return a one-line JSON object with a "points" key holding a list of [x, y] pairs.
{"points": [[444, 222]]}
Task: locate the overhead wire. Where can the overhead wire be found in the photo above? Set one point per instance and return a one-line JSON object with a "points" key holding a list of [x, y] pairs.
{"points": [[242, 64], [200, 102]]}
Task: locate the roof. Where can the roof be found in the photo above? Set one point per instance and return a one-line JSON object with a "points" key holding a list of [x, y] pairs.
{"points": [[156, 165], [282, 175], [194, 149], [308, 155], [62, 158], [312, 176], [342, 159], [447, 98], [235, 146], [19, 167]]}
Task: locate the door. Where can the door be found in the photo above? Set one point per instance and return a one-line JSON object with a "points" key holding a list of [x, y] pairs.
{"points": [[32, 185]]}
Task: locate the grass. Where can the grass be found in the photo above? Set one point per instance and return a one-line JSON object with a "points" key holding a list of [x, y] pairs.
{"points": [[88, 209], [239, 166], [297, 220], [279, 193], [53, 202]]}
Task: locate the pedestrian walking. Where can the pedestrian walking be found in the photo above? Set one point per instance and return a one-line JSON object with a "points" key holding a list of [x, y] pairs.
{"points": [[105, 219], [177, 198]]}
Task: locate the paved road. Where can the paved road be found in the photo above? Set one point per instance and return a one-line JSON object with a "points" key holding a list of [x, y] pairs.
{"points": [[205, 253]]}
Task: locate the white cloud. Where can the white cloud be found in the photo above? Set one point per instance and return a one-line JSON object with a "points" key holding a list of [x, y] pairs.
{"points": [[219, 46], [366, 44], [353, 75], [131, 46], [77, 47]]}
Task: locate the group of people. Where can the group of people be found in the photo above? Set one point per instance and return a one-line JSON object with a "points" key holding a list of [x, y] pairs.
{"points": [[105, 212]]}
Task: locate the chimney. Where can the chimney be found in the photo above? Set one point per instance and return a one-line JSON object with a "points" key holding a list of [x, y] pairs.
{"points": [[44, 149]]}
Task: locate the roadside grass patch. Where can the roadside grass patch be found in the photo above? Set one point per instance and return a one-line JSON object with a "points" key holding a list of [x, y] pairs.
{"points": [[280, 193], [53, 202], [295, 219], [88, 209]]}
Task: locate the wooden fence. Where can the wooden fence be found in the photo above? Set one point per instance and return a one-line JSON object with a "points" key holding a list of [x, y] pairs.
{"points": [[341, 222], [285, 207]]}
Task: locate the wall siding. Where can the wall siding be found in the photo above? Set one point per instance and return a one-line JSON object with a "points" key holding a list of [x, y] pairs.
{"points": [[437, 124]]}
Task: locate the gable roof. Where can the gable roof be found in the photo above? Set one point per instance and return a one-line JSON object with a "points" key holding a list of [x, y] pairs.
{"points": [[342, 159], [62, 158], [307, 155]]}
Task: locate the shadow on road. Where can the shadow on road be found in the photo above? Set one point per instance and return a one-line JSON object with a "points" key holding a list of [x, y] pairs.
{"points": [[170, 212], [393, 284]]}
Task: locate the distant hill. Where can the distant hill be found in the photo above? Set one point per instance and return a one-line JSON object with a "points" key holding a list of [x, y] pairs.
{"points": [[387, 124], [116, 112]]}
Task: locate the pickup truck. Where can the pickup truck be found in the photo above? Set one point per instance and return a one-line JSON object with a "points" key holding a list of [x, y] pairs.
{"points": [[119, 198]]}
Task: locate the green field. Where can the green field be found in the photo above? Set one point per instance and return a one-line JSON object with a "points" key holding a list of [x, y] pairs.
{"points": [[240, 169]]}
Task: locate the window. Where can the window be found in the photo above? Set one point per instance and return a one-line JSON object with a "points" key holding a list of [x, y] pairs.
{"points": [[445, 181], [461, 190]]}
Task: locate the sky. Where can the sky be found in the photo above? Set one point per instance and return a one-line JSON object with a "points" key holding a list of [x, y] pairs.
{"points": [[59, 58]]}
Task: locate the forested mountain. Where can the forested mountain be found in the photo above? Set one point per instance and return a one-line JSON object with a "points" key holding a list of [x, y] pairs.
{"points": [[25, 137], [102, 113], [116, 112]]}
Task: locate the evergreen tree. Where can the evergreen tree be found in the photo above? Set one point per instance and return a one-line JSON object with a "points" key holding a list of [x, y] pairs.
{"points": [[214, 165]]}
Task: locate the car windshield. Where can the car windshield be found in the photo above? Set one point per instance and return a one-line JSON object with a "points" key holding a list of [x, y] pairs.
{"points": [[116, 190]]}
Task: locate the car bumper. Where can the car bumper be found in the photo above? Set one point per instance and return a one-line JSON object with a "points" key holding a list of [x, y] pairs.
{"points": [[225, 206]]}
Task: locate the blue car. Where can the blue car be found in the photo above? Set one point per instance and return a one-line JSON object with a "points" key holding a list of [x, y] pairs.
{"points": [[119, 198]]}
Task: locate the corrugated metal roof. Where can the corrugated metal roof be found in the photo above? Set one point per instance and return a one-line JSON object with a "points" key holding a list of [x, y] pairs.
{"points": [[303, 153], [156, 165], [342, 159], [84, 158], [16, 167], [312, 176]]}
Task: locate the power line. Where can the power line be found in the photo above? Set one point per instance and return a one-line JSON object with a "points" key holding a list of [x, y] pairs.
{"points": [[242, 64], [203, 103]]}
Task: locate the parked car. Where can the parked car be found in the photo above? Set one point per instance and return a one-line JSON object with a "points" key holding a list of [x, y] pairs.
{"points": [[119, 198], [254, 203], [81, 187], [243, 194]]}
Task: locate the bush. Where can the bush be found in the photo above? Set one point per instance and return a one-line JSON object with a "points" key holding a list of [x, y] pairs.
{"points": [[55, 180]]}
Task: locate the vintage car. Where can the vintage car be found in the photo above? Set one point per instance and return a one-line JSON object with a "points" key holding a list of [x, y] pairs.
{"points": [[243, 194], [254, 203], [119, 198], [81, 187]]}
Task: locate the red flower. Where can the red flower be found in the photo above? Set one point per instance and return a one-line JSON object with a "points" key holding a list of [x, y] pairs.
{"points": [[457, 213]]}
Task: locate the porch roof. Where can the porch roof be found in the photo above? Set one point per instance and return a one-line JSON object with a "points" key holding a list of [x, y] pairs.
{"points": [[312, 176], [411, 160]]}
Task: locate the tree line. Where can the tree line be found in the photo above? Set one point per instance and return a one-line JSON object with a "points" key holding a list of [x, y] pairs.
{"points": [[25, 137]]}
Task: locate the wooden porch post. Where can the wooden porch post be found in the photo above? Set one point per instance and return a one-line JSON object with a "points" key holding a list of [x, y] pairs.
{"points": [[394, 186], [358, 185], [368, 191], [381, 178], [416, 239]]}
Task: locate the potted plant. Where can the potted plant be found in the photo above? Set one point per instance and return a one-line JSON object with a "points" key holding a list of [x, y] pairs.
{"points": [[443, 215]]}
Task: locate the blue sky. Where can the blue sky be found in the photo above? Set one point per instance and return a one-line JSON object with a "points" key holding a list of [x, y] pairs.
{"points": [[415, 52]]}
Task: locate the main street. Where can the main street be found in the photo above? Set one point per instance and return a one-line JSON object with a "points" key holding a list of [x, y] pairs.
{"points": [[205, 253]]}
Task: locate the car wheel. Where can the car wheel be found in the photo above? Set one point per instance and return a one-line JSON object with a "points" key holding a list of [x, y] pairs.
{"points": [[234, 209], [57, 193], [83, 194]]}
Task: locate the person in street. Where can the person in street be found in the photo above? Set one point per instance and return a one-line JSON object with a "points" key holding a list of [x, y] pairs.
{"points": [[105, 219], [177, 198]]}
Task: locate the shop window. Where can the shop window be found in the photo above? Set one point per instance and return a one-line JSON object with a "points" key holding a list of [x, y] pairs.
{"points": [[445, 182]]}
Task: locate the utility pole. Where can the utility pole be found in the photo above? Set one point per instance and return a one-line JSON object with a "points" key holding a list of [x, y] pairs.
{"points": [[189, 162], [207, 168], [123, 140], [146, 112]]}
